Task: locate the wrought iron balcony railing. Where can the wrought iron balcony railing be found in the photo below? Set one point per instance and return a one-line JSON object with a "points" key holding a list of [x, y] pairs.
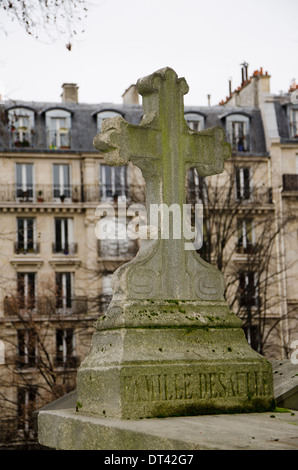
{"points": [[290, 182], [60, 139], [66, 248], [72, 193], [22, 248], [238, 143], [219, 198], [21, 138]]}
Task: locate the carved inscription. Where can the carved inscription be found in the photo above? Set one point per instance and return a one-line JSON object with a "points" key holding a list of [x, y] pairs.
{"points": [[190, 386]]}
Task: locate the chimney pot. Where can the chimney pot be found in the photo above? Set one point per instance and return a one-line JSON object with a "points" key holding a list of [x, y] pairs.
{"points": [[70, 93], [131, 95]]}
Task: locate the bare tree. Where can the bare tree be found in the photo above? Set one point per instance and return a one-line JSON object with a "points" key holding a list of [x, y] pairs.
{"points": [[241, 235], [40, 360], [47, 17]]}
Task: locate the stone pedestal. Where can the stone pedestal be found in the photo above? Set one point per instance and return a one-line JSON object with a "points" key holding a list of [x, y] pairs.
{"points": [[183, 358]]}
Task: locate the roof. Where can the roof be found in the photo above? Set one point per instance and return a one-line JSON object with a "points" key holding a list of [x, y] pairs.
{"points": [[84, 126]]}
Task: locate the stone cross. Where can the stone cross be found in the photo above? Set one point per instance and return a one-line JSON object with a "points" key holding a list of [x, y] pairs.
{"points": [[168, 345], [164, 148]]}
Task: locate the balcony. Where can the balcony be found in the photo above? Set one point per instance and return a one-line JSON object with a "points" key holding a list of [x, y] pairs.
{"points": [[117, 249], [217, 198], [71, 193], [21, 248], [66, 249], [290, 182], [68, 362], [21, 137], [40, 193], [238, 143], [59, 139], [249, 249]]}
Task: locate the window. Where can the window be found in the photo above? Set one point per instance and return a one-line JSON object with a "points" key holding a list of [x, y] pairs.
{"points": [[24, 178], [26, 236], [243, 183], [205, 250], [2, 352], [294, 123], [107, 291], [118, 244], [65, 348], [101, 116], [64, 291], [237, 130], [245, 235], [26, 286], [21, 124], [64, 236], [196, 187], [253, 336], [26, 406], [113, 182], [58, 124], [194, 121], [61, 176], [248, 289], [27, 348]]}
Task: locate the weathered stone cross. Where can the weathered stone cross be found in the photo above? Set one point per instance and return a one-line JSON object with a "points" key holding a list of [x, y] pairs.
{"points": [[164, 148], [169, 344]]}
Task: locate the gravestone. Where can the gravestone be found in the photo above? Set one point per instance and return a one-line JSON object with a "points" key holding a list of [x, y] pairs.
{"points": [[169, 344]]}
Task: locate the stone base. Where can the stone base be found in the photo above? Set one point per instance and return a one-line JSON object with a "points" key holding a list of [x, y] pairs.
{"points": [[146, 372], [67, 430]]}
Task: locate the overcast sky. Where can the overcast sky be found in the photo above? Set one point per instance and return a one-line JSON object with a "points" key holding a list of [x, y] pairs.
{"points": [[203, 41]]}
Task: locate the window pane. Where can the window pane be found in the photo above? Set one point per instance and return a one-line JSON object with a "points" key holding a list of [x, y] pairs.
{"points": [[56, 180], [58, 244], [69, 342], [238, 185], [59, 292], [31, 290], [20, 224], [246, 179], [30, 234], [66, 181], [68, 290], [59, 345], [21, 289], [19, 175]]}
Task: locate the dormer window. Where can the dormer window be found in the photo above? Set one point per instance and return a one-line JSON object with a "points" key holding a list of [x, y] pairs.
{"points": [[294, 123], [21, 127], [102, 115], [58, 124], [237, 132], [195, 121]]}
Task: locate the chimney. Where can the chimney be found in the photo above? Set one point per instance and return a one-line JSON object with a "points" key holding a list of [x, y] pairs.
{"points": [[70, 93], [244, 72], [209, 99], [131, 95], [230, 87]]}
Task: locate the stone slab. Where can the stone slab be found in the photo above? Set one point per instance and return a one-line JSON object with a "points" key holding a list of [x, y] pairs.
{"points": [[68, 430], [285, 379]]}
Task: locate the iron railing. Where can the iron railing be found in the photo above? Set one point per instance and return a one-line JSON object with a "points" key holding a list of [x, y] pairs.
{"points": [[290, 182], [66, 248]]}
